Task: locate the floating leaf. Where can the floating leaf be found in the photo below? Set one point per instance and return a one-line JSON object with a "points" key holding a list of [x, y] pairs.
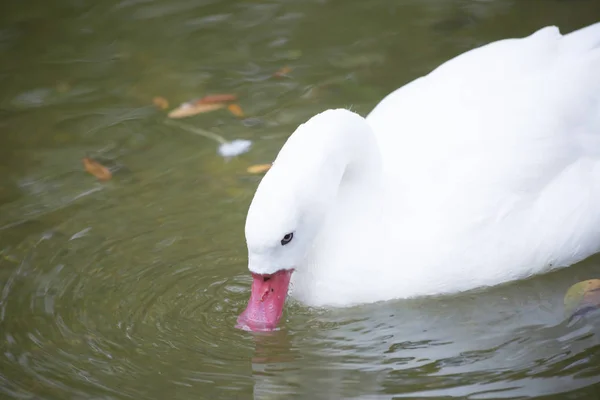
{"points": [[216, 98], [97, 169], [160, 102], [282, 72], [205, 104], [189, 109], [234, 148], [258, 168], [583, 297], [236, 110]]}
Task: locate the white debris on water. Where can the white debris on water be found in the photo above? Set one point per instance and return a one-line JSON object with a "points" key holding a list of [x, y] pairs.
{"points": [[234, 148]]}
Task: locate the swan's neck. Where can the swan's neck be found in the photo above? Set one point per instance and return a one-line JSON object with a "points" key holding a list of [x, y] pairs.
{"points": [[333, 157], [341, 172]]}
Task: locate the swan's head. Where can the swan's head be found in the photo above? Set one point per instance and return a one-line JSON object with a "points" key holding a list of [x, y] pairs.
{"points": [[288, 212]]}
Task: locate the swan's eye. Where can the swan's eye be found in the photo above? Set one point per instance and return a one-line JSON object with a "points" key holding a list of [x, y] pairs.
{"points": [[287, 238]]}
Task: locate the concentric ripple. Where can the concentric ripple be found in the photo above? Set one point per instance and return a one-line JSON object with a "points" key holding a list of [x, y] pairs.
{"points": [[116, 316]]}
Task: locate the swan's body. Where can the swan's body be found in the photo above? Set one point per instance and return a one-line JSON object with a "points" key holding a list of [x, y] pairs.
{"points": [[484, 171]]}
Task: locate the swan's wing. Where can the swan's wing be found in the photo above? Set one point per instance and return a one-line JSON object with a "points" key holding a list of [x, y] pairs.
{"points": [[509, 132]]}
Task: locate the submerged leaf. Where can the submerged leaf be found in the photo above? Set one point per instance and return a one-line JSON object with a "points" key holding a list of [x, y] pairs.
{"points": [[258, 168], [583, 297], [160, 102], [97, 169], [189, 109], [216, 98], [236, 110], [282, 72]]}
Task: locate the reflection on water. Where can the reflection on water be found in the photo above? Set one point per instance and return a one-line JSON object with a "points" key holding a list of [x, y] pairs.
{"points": [[131, 288]]}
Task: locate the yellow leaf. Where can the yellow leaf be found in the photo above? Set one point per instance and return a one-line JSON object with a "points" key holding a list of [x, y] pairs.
{"points": [[189, 109], [97, 169], [160, 102], [258, 168], [217, 98], [282, 72], [582, 295], [236, 110]]}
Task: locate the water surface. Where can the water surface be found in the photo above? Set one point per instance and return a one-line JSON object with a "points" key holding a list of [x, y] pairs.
{"points": [[129, 289]]}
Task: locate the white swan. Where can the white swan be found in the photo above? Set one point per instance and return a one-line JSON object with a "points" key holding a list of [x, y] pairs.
{"points": [[484, 171]]}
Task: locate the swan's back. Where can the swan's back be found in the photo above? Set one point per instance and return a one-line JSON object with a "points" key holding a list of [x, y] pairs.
{"points": [[493, 161]]}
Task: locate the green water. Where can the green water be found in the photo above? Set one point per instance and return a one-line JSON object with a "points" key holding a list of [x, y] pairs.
{"points": [[130, 289]]}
